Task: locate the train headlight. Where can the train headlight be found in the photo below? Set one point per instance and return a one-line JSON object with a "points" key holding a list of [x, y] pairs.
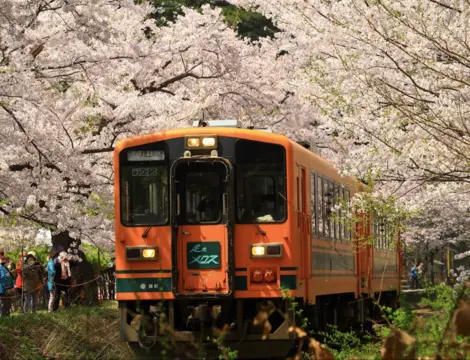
{"points": [[148, 253], [208, 142], [201, 142], [141, 253], [257, 250], [193, 142], [266, 250]]}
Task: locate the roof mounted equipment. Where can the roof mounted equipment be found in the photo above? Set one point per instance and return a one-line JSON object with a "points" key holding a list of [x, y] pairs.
{"points": [[265, 129], [217, 123]]}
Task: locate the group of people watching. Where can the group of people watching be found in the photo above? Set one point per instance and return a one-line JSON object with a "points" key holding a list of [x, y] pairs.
{"points": [[23, 283]]}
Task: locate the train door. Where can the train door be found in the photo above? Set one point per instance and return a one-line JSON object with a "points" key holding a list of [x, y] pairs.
{"points": [[202, 241], [303, 226]]}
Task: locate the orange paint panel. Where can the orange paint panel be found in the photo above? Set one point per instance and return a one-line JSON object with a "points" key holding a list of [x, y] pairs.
{"points": [[201, 270], [144, 296], [252, 294], [159, 236]]}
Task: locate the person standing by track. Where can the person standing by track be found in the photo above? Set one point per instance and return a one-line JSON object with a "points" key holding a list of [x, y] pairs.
{"points": [[32, 277], [6, 288], [414, 277], [62, 280], [50, 278]]}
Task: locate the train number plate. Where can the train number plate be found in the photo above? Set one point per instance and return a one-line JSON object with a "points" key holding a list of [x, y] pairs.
{"points": [[203, 255]]}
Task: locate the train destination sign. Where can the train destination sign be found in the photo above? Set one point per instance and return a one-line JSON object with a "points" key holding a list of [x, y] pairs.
{"points": [[145, 155], [144, 172]]}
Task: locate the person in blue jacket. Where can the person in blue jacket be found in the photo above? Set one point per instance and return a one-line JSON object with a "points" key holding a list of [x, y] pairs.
{"points": [[414, 277], [50, 277], [6, 285]]}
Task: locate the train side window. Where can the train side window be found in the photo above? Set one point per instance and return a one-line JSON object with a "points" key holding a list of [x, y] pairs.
{"points": [[336, 201], [313, 202], [380, 236], [374, 231], [303, 191], [387, 237], [389, 233], [392, 236], [330, 190], [326, 213], [298, 193], [340, 213], [383, 234], [379, 233], [320, 207], [347, 232]]}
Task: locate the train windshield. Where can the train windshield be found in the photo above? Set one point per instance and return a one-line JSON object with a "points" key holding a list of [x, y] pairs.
{"points": [[261, 182], [201, 187], [144, 189]]}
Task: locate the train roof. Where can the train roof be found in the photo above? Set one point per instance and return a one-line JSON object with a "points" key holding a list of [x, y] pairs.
{"points": [[258, 134]]}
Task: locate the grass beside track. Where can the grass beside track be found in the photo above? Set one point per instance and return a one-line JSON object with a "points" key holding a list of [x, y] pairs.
{"points": [[75, 333]]}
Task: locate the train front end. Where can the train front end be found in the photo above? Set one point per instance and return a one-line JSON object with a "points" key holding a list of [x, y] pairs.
{"points": [[203, 240]]}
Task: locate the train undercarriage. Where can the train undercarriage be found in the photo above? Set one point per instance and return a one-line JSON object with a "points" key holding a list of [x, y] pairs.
{"points": [[255, 328]]}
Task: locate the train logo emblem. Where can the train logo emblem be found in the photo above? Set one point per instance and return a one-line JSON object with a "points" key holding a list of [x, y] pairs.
{"points": [[203, 259], [203, 255]]}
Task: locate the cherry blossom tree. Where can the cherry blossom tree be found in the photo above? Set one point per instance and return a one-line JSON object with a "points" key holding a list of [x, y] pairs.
{"points": [[76, 76], [379, 87], [388, 80]]}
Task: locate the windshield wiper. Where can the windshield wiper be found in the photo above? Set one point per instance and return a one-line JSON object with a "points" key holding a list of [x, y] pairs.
{"points": [[261, 231], [146, 232]]}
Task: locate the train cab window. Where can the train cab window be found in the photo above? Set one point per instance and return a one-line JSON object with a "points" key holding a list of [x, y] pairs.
{"points": [[144, 186], [261, 182], [203, 193], [201, 188]]}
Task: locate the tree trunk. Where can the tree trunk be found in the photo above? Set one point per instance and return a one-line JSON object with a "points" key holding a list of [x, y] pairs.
{"points": [[82, 272]]}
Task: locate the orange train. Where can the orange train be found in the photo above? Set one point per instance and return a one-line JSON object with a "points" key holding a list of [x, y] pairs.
{"points": [[214, 220]]}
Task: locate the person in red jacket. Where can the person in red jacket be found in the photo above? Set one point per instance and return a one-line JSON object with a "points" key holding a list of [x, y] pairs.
{"points": [[19, 281]]}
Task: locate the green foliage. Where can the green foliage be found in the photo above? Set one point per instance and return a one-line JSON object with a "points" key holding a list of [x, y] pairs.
{"points": [[99, 206], [98, 258], [249, 24], [226, 352], [42, 253], [402, 317], [345, 345], [385, 211], [89, 125], [440, 297], [300, 318], [78, 333], [428, 323]]}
